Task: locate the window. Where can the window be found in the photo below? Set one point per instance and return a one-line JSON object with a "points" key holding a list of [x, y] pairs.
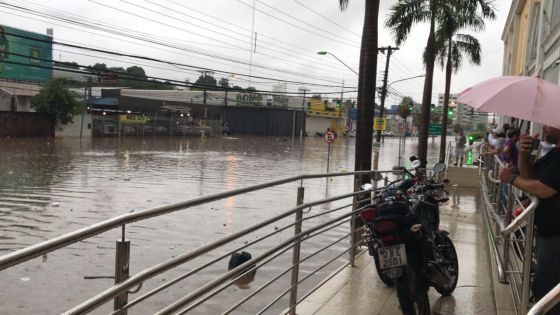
{"points": [[555, 15], [534, 35]]}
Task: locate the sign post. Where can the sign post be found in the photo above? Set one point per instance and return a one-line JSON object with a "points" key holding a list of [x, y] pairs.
{"points": [[329, 138]]}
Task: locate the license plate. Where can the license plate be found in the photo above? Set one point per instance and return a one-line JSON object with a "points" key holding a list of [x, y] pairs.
{"points": [[392, 256]]}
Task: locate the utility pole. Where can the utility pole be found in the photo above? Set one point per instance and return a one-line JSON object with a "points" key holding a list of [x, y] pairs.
{"points": [[303, 115], [377, 147]]}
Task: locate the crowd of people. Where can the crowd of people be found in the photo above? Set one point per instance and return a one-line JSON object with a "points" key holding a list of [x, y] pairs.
{"points": [[532, 165]]}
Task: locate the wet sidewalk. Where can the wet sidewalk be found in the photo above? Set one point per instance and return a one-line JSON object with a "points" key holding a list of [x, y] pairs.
{"points": [[360, 291]]}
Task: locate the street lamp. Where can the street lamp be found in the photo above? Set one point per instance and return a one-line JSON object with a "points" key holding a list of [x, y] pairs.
{"points": [[322, 52]]}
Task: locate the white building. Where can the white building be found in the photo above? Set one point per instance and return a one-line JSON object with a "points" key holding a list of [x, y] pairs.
{"points": [[464, 115]]}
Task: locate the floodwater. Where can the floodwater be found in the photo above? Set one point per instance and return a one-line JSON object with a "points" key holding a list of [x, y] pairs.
{"points": [[51, 187]]}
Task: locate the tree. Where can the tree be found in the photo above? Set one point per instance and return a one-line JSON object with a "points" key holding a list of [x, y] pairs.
{"points": [[100, 66], [57, 101], [405, 107], [366, 88], [453, 45], [317, 96], [65, 64], [224, 83], [136, 72], [250, 89], [205, 81], [403, 16]]}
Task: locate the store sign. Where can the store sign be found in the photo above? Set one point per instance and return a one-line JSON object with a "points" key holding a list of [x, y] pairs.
{"points": [[133, 119], [249, 99]]}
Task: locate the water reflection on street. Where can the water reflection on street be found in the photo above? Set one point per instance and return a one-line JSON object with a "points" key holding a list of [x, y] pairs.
{"points": [[51, 187]]}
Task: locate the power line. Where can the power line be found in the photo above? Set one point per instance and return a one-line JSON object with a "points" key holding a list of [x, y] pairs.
{"points": [[127, 41], [137, 37], [229, 30], [299, 27], [152, 59], [326, 18], [229, 24], [299, 20], [132, 77]]}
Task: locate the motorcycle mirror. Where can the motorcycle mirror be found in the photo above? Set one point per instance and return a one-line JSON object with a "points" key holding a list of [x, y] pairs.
{"points": [[376, 176], [415, 164], [367, 186], [439, 168]]}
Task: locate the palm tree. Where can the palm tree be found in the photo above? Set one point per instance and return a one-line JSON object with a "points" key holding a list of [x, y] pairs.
{"points": [[404, 15], [453, 45], [366, 88]]}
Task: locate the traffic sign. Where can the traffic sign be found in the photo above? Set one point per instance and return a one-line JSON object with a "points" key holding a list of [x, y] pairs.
{"points": [[329, 137], [434, 129], [379, 124], [376, 146]]}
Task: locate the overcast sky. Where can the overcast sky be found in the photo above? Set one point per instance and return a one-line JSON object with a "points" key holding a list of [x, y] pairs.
{"points": [[216, 34]]}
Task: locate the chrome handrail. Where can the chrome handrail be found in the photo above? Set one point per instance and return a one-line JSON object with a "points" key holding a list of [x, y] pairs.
{"points": [[512, 267], [47, 246], [522, 218], [547, 302], [125, 284], [148, 273]]}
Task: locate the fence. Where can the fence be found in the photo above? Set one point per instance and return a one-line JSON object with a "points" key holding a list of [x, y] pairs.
{"points": [[510, 232], [336, 213]]}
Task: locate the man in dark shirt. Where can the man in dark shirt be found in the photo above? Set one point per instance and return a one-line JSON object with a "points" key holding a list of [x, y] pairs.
{"points": [[542, 179]]}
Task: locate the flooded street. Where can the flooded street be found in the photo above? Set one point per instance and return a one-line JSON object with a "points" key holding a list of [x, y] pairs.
{"points": [[51, 187]]}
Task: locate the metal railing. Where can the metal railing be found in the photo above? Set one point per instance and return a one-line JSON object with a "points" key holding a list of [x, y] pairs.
{"points": [[334, 217], [511, 238]]}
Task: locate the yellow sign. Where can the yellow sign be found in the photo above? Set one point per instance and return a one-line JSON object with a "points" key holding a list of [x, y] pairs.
{"points": [[133, 119], [380, 124]]}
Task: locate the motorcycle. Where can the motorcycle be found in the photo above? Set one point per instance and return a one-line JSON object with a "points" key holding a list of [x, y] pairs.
{"points": [[401, 229]]}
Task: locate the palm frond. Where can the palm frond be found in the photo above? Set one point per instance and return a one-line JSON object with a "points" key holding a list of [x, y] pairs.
{"points": [[469, 45], [404, 14]]}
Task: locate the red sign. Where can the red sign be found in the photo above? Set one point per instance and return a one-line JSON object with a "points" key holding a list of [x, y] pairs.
{"points": [[329, 136]]}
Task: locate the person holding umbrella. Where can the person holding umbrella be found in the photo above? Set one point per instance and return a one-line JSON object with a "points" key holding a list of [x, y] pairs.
{"points": [[542, 179], [536, 100]]}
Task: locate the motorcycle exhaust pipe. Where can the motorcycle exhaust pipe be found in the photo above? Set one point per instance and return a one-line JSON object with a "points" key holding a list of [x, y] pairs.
{"points": [[436, 274]]}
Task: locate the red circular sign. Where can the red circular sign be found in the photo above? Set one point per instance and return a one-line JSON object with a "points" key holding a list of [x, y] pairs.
{"points": [[329, 137]]}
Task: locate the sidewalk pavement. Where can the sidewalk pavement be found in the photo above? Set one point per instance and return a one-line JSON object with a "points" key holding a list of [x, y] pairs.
{"points": [[359, 290]]}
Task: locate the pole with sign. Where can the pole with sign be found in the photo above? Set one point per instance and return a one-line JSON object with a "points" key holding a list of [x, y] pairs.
{"points": [[329, 137]]}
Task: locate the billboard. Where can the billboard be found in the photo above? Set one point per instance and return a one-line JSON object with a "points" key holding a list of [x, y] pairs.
{"points": [[23, 47]]}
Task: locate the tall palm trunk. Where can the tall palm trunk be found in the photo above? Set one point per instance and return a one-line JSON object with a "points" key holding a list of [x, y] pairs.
{"points": [[448, 71], [366, 90], [428, 83]]}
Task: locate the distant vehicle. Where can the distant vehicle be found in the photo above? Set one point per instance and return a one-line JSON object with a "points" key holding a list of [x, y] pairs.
{"points": [[161, 131], [129, 131], [148, 130]]}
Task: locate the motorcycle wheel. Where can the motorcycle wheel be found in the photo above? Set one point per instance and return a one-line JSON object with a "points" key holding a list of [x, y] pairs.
{"points": [[412, 292], [448, 254], [388, 281]]}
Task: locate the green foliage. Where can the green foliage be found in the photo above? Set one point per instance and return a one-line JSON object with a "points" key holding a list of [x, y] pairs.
{"points": [[224, 83], [69, 65], [205, 82], [404, 107], [237, 87], [57, 101], [250, 89], [317, 96], [100, 66]]}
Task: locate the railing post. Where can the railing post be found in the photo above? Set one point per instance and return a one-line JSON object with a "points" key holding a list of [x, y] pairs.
{"points": [[527, 261], [122, 264], [356, 199], [507, 220], [296, 252]]}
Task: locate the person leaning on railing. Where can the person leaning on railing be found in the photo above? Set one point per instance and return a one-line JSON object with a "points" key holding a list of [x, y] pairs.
{"points": [[542, 179]]}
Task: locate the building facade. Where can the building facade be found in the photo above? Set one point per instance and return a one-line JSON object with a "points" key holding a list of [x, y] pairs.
{"points": [[464, 115], [531, 39]]}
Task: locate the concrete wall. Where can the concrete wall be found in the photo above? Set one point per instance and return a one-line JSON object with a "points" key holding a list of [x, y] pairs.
{"points": [[320, 124], [265, 121], [21, 124], [73, 129]]}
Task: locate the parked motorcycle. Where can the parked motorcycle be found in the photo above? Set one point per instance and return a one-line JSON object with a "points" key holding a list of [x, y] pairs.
{"points": [[403, 236]]}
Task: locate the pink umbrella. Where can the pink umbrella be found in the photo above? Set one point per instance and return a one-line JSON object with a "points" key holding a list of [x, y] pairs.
{"points": [[528, 98]]}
